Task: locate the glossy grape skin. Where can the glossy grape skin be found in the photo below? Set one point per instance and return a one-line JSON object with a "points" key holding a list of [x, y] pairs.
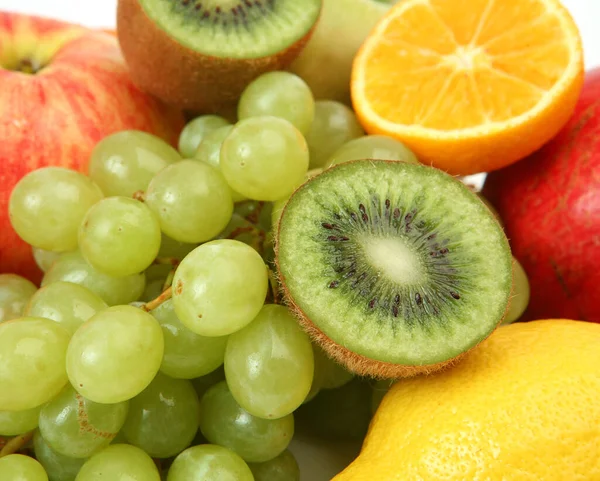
{"points": [[282, 468], [372, 147], [219, 287], [66, 303], [269, 364], [119, 462], [119, 236], [15, 292], [264, 158], [125, 162], [17, 467], [208, 462], [44, 259], [187, 355], [115, 354], [333, 126], [32, 362], [520, 295], [163, 418], [72, 267], [280, 94], [47, 205], [13, 423], [57, 466], [76, 427], [195, 130], [191, 200], [172, 248], [224, 422]]}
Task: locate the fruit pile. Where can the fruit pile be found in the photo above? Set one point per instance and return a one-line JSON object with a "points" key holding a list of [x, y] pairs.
{"points": [[290, 259]]}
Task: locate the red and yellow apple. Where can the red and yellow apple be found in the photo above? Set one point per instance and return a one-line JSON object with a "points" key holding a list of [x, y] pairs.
{"points": [[62, 89], [550, 206]]}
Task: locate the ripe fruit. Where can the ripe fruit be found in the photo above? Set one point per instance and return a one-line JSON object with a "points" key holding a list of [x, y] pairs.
{"points": [[521, 406], [381, 263], [479, 90], [200, 56], [550, 204], [326, 61], [63, 90]]}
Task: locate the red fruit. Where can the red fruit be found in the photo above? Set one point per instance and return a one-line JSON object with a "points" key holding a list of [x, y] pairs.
{"points": [[62, 89], [550, 204]]}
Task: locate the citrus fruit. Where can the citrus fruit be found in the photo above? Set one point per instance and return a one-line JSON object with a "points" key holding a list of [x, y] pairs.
{"points": [[469, 85], [522, 406]]}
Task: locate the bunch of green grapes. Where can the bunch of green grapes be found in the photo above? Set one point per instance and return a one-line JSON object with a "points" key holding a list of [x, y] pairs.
{"points": [[156, 344]]}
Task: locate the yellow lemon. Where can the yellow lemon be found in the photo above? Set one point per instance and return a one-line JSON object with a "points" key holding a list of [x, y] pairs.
{"points": [[524, 406]]}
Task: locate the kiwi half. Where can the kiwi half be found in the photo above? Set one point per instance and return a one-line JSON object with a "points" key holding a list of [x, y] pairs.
{"points": [[200, 54], [394, 268]]}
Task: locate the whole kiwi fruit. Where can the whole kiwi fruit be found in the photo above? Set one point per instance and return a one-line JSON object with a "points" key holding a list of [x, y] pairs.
{"points": [[394, 268], [199, 55]]}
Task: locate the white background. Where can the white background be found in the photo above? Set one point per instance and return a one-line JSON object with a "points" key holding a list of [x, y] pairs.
{"points": [[101, 13], [319, 462]]}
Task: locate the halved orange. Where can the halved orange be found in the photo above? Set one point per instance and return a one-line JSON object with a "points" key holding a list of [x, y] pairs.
{"points": [[469, 85]]}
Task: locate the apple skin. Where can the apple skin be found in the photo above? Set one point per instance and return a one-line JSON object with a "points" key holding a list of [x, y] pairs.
{"points": [[325, 64], [550, 204], [57, 115]]}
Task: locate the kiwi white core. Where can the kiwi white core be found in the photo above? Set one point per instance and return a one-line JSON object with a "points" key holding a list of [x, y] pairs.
{"points": [[393, 258]]}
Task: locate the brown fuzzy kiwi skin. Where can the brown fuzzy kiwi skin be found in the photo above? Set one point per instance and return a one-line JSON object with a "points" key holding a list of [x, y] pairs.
{"points": [[177, 75], [357, 363]]}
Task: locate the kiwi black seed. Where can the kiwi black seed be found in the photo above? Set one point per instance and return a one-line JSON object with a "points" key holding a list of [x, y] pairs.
{"points": [[393, 268], [200, 54]]}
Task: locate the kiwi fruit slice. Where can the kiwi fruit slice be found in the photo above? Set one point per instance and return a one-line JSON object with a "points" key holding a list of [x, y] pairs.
{"points": [[394, 268], [200, 54]]}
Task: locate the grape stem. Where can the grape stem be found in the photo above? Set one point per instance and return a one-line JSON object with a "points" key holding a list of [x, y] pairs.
{"points": [[16, 444], [167, 261], [258, 239], [139, 195], [153, 304], [255, 214]]}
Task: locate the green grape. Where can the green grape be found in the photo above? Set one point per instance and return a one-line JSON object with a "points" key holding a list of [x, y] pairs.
{"points": [[125, 162], [115, 354], [153, 289], [372, 147], [32, 362], [119, 236], [224, 422], [333, 126], [15, 292], [256, 212], [204, 383], [219, 287], [119, 438], [209, 462], [191, 200], [119, 462], [44, 259], [331, 375], [341, 414], [209, 151], [193, 133], [380, 389], [269, 364], [282, 468], [163, 418], [520, 295], [187, 355], [57, 466], [278, 207], [47, 205], [242, 230], [280, 94], [72, 267], [13, 423], [66, 303], [77, 427], [175, 249], [264, 158], [17, 467]]}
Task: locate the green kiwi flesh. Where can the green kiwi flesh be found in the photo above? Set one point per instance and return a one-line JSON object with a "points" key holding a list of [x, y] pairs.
{"points": [[393, 268], [243, 29]]}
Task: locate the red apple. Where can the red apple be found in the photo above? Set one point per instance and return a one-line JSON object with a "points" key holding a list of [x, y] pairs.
{"points": [[550, 204], [62, 89]]}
